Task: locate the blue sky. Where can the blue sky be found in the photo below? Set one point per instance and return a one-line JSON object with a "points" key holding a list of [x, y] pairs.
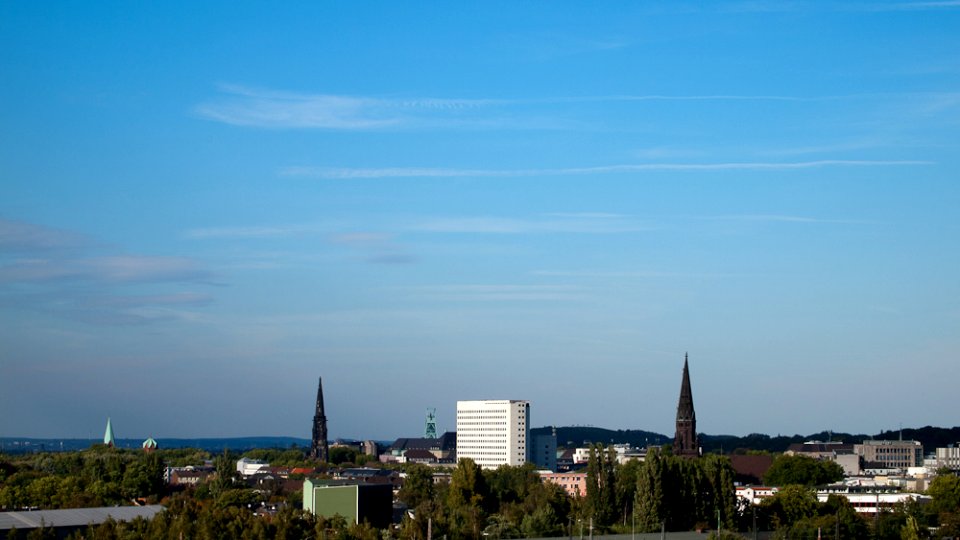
{"points": [[206, 207]]}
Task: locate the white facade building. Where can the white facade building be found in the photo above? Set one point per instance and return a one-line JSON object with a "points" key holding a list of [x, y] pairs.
{"points": [[868, 501], [493, 432], [949, 457], [249, 467]]}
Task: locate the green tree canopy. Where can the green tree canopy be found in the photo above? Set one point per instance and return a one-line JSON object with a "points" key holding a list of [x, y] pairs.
{"points": [[802, 470]]}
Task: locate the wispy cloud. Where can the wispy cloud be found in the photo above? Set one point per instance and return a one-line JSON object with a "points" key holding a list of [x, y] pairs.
{"points": [[40, 268], [499, 293], [585, 224], [115, 269], [273, 231], [781, 219], [907, 6], [780, 6], [334, 173], [374, 247], [243, 106], [651, 274], [19, 236]]}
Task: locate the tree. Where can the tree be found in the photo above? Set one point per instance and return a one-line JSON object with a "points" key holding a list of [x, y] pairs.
{"points": [[626, 488], [802, 470], [343, 454], [601, 486], [467, 500], [945, 491], [417, 485], [649, 496], [468, 486], [682, 493], [790, 505]]}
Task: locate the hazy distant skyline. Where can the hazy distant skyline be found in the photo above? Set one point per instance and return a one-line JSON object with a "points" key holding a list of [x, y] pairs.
{"points": [[205, 207]]}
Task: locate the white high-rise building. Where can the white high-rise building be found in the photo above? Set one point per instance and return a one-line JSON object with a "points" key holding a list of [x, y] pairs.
{"points": [[493, 432]]}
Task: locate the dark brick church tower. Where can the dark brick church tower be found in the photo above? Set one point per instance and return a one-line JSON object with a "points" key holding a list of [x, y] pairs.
{"points": [[685, 442], [318, 448]]}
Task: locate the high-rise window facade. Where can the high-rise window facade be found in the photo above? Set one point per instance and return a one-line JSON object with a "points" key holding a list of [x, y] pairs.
{"points": [[493, 432]]}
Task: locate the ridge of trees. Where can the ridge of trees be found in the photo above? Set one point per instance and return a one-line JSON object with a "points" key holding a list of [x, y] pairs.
{"points": [[672, 492], [579, 436]]}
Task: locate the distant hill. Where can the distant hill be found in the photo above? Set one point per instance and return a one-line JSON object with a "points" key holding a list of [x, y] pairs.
{"points": [[930, 437], [581, 435], [571, 436], [16, 445]]}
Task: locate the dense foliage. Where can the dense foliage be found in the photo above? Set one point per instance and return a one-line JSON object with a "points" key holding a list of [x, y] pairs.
{"points": [[803, 470], [101, 476], [665, 491]]}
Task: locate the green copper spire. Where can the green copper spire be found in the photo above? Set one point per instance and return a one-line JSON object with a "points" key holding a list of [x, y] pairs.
{"points": [[108, 435]]}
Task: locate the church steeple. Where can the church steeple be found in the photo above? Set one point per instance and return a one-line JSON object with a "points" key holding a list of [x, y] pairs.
{"points": [[108, 434], [685, 442], [318, 448]]}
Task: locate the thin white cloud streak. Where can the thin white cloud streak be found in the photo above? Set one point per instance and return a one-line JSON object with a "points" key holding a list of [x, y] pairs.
{"points": [[502, 225], [334, 173], [908, 6], [586, 215], [20, 236], [113, 269], [254, 231], [273, 109], [278, 109], [767, 6], [499, 293], [778, 218], [631, 274]]}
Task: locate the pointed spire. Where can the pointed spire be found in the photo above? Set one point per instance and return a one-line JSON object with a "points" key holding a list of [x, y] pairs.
{"points": [[685, 407], [318, 447], [108, 434], [685, 441]]}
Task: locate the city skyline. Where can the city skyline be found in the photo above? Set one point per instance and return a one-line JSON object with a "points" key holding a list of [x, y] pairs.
{"points": [[205, 208]]}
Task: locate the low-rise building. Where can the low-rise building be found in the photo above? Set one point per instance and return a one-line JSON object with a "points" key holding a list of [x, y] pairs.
{"points": [[574, 483], [891, 454], [750, 469], [73, 521], [358, 503], [755, 494], [949, 457], [188, 477], [249, 467], [867, 500]]}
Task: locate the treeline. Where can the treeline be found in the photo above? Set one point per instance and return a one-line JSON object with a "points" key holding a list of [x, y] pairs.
{"points": [[105, 476], [513, 502], [930, 437], [664, 492], [101, 476]]}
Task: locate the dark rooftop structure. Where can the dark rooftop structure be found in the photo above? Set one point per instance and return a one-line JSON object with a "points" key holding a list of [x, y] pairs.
{"points": [[64, 522], [445, 443], [750, 469]]}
